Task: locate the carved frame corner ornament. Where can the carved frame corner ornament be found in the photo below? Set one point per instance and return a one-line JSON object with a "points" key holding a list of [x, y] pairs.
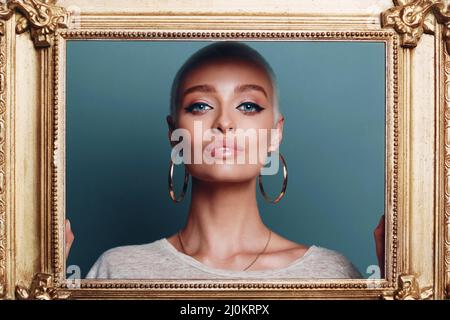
{"points": [[411, 18], [41, 17], [409, 289], [41, 289]]}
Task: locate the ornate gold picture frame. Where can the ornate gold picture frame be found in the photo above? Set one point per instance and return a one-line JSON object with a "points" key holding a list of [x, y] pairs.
{"points": [[33, 36]]}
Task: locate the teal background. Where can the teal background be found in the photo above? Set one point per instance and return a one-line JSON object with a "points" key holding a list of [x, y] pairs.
{"points": [[332, 95]]}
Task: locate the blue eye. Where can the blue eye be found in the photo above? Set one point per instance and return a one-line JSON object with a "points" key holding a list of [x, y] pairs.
{"points": [[249, 107], [198, 107]]}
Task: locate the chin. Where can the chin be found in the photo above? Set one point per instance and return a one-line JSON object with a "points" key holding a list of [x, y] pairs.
{"points": [[225, 172]]}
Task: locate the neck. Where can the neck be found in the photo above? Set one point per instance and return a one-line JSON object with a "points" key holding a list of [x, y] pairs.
{"points": [[223, 219]]}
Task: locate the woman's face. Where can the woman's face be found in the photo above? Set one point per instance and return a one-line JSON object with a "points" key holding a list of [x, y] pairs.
{"points": [[225, 105]]}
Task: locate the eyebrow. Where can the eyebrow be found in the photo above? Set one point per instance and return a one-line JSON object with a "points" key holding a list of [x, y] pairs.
{"points": [[239, 89], [199, 88], [249, 87]]}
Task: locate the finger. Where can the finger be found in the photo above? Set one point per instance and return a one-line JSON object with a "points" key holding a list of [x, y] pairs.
{"points": [[69, 233], [379, 230], [382, 220], [69, 237], [380, 243]]}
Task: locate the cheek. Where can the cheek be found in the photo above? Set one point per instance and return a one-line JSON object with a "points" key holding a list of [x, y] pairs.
{"points": [[185, 122], [263, 120], [195, 124], [194, 141], [261, 131]]}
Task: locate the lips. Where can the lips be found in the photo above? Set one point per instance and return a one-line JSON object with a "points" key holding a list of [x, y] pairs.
{"points": [[225, 148], [222, 152]]}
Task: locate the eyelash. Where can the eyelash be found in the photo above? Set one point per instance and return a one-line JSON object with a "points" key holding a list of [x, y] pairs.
{"points": [[194, 105], [257, 107]]}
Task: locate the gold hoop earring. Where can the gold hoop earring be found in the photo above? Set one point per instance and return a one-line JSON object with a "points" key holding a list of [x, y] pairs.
{"points": [[283, 188], [185, 183]]}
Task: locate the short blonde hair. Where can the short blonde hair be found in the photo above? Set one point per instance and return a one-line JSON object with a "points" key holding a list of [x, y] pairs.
{"points": [[218, 50]]}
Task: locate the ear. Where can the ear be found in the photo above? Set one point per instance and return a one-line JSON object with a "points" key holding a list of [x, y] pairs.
{"points": [[171, 125], [278, 137]]}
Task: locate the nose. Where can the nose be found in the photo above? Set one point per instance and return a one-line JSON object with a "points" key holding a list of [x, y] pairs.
{"points": [[224, 122]]}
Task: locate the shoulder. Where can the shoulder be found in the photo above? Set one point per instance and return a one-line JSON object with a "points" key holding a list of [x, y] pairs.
{"points": [[131, 250], [332, 264], [283, 252], [125, 259], [314, 261]]}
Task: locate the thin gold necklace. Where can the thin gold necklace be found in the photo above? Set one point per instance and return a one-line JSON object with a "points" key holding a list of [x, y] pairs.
{"points": [[256, 258]]}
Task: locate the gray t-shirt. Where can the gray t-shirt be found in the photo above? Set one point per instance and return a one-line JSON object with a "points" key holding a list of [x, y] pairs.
{"points": [[161, 260]]}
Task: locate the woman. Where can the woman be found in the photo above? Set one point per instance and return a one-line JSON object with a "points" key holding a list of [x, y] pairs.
{"points": [[225, 88]]}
